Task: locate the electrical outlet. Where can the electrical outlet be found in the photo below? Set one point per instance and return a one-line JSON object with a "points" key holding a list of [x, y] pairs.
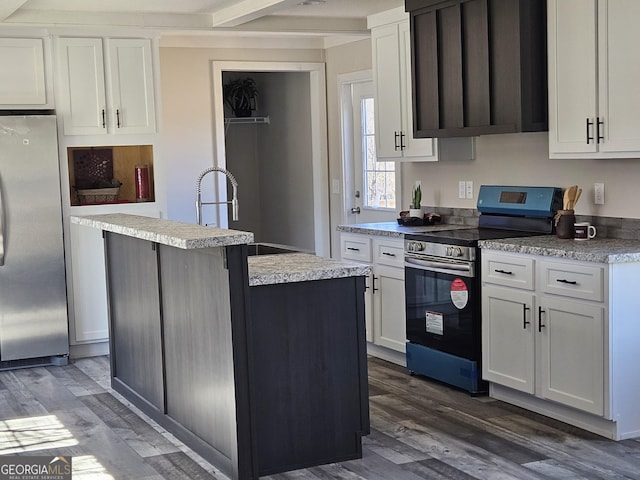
{"points": [[598, 193], [462, 189], [469, 189]]}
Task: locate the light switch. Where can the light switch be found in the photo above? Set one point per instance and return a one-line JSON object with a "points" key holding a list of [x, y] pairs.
{"points": [[462, 189], [469, 189], [598, 197]]}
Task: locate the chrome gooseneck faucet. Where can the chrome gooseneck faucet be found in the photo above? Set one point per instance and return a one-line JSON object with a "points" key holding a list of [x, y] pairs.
{"points": [[233, 201]]}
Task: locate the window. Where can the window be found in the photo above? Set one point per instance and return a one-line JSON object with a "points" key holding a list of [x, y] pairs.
{"points": [[379, 178]]}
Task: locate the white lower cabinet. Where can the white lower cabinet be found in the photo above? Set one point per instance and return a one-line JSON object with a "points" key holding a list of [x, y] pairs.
{"points": [[538, 341], [384, 296], [559, 337]]}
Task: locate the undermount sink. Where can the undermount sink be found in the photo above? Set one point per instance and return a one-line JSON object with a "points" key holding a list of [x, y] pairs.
{"points": [[261, 248]]}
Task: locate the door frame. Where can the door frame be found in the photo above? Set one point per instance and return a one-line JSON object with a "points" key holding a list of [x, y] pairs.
{"points": [[319, 148]]}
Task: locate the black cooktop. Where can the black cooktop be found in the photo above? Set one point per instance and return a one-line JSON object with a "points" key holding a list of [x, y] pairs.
{"points": [[468, 237]]}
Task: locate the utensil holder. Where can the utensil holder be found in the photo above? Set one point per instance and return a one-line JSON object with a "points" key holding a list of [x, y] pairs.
{"points": [[564, 221]]}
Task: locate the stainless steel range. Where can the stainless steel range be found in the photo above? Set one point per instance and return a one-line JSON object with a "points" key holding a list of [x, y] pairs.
{"points": [[442, 282]]}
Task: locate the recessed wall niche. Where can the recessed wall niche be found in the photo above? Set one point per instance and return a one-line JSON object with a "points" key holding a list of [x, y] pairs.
{"points": [[92, 171]]}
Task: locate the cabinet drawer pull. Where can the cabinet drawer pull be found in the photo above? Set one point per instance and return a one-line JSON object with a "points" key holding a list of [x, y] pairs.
{"points": [[118, 117], [374, 284], [395, 141], [353, 249], [104, 119], [525, 322], [570, 282], [589, 137], [389, 254], [598, 136], [540, 325], [503, 271], [402, 145]]}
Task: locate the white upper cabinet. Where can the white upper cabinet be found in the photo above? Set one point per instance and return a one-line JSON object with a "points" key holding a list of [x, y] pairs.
{"points": [[391, 48], [594, 73], [106, 86], [23, 78]]}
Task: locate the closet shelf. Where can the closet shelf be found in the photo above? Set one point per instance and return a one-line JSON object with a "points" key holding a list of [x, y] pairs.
{"points": [[253, 120]]}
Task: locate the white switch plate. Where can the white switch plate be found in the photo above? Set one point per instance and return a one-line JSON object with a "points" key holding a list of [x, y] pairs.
{"points": [[598, 193], [335, 186], [462, 189], [469, 189]]}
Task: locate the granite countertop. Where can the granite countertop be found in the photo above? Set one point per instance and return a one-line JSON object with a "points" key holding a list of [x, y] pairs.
{"points": [[598, 250], [299, 267], [186, 236], [393, 229]]}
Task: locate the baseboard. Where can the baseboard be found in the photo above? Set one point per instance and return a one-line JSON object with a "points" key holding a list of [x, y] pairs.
{"points": [[387, 354], [89, 350]]}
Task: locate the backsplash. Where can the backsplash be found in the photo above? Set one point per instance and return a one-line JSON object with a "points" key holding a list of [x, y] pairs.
{"points": [[607, 227]]}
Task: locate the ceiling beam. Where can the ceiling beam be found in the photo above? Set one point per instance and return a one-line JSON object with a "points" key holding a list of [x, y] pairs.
{"points": [[8, 8], [246, 10]]}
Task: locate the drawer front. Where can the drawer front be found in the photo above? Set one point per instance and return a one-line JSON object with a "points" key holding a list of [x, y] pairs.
{"points": [[572, 280], [508, 270], [355, 247], [389, 252]]}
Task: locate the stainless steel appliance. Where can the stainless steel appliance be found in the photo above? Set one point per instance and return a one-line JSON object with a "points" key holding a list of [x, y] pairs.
{"points": [[442, 282], [33, 302]]}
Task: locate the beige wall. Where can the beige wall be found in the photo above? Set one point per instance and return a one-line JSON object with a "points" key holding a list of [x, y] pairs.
{"points": [[187, 114], [349, 58], [523, 159]]}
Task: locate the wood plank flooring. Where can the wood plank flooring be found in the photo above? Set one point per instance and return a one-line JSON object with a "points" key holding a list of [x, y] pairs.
{"points": [[420, 430]]}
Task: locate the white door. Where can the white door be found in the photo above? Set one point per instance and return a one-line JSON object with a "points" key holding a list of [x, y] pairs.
{"points": [[131, 76], [619, 98], [83, 88], [572, 354], [572, 76], [371, 194], [508, 328]]}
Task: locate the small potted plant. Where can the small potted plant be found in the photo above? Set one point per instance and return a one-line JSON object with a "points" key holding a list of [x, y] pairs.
{"points": [[415, 210], [240, 95]]}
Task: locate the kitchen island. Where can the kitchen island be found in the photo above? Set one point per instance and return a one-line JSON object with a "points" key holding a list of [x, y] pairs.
{"points": [[257, 364]]}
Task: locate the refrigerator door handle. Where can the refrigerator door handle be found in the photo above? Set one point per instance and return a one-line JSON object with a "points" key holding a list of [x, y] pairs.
{"points": [[1, 229]]}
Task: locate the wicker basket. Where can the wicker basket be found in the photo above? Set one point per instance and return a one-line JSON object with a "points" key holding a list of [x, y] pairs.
{"points": [[97, 195]]}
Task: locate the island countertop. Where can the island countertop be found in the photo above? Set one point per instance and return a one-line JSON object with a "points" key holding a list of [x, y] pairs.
{"points": [[300, 267], [182, 235], [599, 250]]}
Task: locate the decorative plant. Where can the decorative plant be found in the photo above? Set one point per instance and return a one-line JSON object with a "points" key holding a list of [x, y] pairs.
{"points": [[416, 197], [240, 95]]}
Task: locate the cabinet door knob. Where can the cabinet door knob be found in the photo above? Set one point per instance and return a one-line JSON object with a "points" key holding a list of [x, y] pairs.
{"points": [[599, 123], [540, 325], [589, 137], [525, 322]]}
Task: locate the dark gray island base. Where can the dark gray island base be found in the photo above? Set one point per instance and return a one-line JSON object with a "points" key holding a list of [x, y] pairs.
{"points": [[257, 379]]}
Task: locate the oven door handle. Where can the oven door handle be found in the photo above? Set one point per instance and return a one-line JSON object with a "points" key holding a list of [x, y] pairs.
{"points": [[460, 268]]}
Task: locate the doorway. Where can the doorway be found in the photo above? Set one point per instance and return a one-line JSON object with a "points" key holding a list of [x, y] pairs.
{"points": [[370, 187], [285, 180]]}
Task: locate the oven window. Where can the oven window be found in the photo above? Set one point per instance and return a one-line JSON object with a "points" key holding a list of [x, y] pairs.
{"points": [[443, 312]]}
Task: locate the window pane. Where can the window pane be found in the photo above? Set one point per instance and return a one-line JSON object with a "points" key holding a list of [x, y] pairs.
{"points": [[379, 177]]}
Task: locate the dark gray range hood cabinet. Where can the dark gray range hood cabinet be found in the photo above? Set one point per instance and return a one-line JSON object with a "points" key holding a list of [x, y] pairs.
{"points": [[478, 67]]}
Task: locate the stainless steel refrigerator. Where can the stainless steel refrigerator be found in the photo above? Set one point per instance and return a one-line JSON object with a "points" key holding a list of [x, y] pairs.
{"points": [[33, 301]]}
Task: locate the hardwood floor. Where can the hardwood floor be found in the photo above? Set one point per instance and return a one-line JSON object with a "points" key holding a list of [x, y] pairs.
{"points": [[420, 430]]}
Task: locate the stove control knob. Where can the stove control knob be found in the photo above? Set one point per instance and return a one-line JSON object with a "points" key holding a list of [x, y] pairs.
{"points": [[415, 247], [454, 252]]}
